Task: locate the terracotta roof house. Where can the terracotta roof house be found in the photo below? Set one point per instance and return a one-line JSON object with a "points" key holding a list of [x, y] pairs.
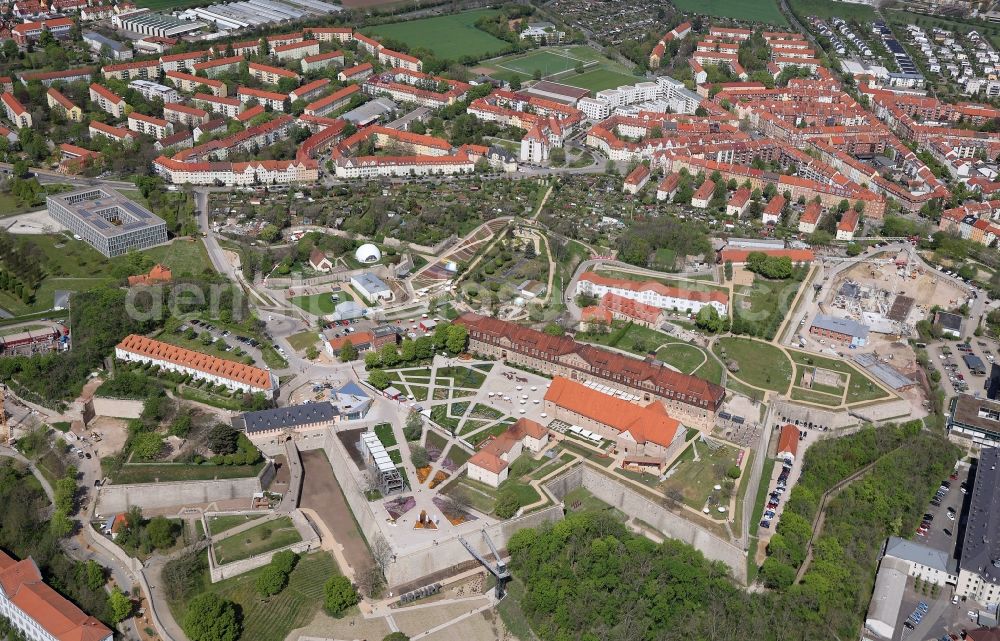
{"points": [[636, 429], [489, 465], [38, 611], [788, 442], [233, 375]]}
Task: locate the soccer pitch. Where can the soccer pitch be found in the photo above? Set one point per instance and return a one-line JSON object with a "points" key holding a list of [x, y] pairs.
{"points": [[546, 62]]}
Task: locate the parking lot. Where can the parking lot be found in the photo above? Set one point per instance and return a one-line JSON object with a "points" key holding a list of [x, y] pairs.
{"points": [[783, 479], [943, 533]]}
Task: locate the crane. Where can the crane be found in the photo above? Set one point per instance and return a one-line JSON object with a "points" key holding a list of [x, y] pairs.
{"points": [[500, 571]]}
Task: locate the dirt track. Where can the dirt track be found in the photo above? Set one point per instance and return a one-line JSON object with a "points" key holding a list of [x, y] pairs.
{"points": [[322, 493]]}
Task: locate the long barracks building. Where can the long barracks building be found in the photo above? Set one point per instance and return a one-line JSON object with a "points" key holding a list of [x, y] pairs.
{"points": [[692, 400]]}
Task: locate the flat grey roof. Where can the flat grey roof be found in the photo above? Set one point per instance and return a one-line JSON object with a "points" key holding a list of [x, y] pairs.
{"points": [[280, 417], [100, 209], [884, 372], [973, 362], [922, 554], [370, 110], [950, 321], [841, 325], [371, 283], [981, 547], [114, 45]]}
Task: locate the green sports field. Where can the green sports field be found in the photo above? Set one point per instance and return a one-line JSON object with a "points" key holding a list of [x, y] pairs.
{"points": [[544, 61], [765, 11], [449, 37], [558, 64]]}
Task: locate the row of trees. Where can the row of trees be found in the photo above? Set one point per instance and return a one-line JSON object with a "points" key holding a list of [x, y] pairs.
{"points": [[446, 338]]}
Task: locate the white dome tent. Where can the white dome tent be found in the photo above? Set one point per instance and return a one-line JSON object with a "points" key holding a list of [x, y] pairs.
{"points": [[368, 253]]}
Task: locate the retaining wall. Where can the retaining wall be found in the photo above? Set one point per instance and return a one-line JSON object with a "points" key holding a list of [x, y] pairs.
{"points": [[435, 558], [116, 407], [343, 276], [635, 504], [310, 541], [112, 499]]}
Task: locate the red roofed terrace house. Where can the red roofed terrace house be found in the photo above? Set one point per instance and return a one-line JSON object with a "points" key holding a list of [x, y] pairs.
{"points": [[40, 613], [230, 374], [652, 293], [490, 465], [636, 179], [689, 398]]}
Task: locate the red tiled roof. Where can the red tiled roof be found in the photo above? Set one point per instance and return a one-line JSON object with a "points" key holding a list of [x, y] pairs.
{"points": [[253, 376], [357, 339], [357, 70], [277, 71], [336, 96], [659, 288], [105, 92], [606, 364], [291, 46], [789, 439], [646, 424], [22, 582]]}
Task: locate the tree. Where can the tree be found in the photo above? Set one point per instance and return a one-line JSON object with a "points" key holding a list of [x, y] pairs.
{"points": [[147, 446], [271, 581], [728, 268], [91, 574], [312, 353], [553, 329], [507, 503], [378, 379], [119, 604], [210, 618], [515, 84], [395, 636], [338, 595], [348, 352], [223, 439], [414, 427], [458, 336], [161, 532], [418, 456], [708, 319]]}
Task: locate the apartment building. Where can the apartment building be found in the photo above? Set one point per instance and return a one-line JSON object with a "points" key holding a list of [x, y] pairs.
{"points": [[230, 374], [401, 60], [190, 83], [652, 293], [328, 104], [322, 61], [190, 117], [16, 113], [296, 50], [272, 99], [117, 134], [155, 91], [57, 101], [228, 107], [215, 67], [107, 100], [150, 125], [271, 75]]}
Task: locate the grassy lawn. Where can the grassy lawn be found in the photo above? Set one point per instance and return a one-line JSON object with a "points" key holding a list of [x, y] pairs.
{"points": [[458, 455], [166, 472], [273, 618], [582, 500], [799, 394], [385, 434], [512, 615], [483, 497], [597, 79], [479, 437], [859, 386], [547, 62], [761, 364], [435, 440], [302, 340], [827, 9], [439, 414], [183, 257], [259, 539], [765, 11], [7, 331], [461, 377], [547, 468], [486, 412], [316, 304], [695, 479], [686, 358], [711, 371], [217, 524], [449, 37]]}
